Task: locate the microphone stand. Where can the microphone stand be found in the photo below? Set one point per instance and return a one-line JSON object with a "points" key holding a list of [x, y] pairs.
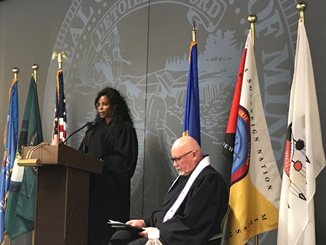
{"points": [[76, 131]]}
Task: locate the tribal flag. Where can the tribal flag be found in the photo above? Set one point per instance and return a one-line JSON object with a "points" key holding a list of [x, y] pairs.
{"points": [[255, 179], [10, 144], [20, 212], [60, 118], [192, 118], [304, 155]]}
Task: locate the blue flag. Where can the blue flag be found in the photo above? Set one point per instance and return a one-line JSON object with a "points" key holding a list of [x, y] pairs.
{"points": [[10, 145], [192, 117], [20, 211]]}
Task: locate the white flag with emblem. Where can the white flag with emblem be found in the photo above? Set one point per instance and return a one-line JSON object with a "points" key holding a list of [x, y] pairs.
{"points": [[304, 155]]}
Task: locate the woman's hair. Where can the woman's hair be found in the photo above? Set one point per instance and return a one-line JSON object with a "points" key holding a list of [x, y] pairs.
{"points": [[119, 109]]}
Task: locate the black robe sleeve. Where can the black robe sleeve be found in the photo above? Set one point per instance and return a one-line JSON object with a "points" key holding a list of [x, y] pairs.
{"points": [[123, 158]]}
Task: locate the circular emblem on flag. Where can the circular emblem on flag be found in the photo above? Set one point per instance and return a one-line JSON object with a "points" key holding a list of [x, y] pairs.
{"points": [[241, 155]]}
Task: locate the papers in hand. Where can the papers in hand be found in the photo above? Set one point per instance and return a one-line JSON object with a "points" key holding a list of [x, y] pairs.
{"points": [[120, 225]]}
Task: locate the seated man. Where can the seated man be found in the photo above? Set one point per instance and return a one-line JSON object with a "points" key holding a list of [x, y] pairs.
{"points": [[194, 206]]}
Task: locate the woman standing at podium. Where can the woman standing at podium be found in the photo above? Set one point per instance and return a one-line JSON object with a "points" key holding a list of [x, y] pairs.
{"points": [[112, 139]]}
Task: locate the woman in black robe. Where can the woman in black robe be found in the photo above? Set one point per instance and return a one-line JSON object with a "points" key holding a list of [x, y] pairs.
{"points": [[112, 139]]}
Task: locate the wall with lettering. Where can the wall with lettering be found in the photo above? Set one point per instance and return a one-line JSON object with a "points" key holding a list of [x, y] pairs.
{"points": [[141, 48]]}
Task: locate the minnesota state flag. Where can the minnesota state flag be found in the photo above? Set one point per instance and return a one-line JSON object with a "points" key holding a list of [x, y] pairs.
{"points": [[192, 113], [255, 179]]}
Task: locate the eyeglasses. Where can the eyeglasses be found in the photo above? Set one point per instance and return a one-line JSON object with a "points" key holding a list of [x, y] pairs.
{"points": [[177, 159]]}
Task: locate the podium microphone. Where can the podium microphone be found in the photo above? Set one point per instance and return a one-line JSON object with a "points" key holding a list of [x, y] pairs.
{"points": [[88, 124]]}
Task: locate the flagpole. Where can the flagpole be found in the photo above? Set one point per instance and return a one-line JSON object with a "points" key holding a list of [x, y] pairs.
{"points": [[35, 68], [193, 40], [252, 20], [301, 7], [15, 71], [194, 32]]}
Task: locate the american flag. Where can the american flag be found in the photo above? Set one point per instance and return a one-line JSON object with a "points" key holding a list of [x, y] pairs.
{"points": [[60, 117]]}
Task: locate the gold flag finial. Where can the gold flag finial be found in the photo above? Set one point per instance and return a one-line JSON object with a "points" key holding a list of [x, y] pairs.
{"points": [[301, 7], [60, 55], [252, 19], [15, 71], [35, 68], [194, 31]]}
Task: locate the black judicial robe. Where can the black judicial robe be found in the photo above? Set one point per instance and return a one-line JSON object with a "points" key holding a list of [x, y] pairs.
{"points": [[110, 191], [200, 214]]}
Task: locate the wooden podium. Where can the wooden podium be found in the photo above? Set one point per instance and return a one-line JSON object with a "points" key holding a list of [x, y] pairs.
{"points": [[62, 193]]}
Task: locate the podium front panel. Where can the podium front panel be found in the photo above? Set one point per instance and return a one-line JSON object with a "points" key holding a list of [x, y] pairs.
{"points": [[62, 206]]}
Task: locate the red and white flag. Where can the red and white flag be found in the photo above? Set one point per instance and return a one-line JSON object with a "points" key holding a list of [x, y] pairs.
{"points": [[304, 154]]}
